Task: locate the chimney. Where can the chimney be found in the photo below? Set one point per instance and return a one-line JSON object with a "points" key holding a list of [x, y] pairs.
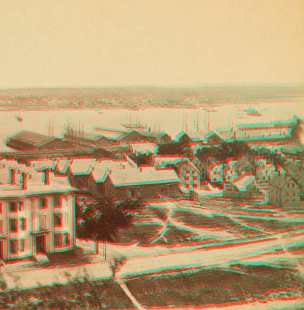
{"points": [[12, 176], [46, 177], [23, 180]]}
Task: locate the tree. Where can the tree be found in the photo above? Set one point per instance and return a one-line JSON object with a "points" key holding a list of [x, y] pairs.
{"points": [[142, 159], [116, 263], [100, 219]]}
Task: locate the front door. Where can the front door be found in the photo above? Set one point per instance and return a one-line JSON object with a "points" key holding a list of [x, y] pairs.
{"points": [[40, 244]]}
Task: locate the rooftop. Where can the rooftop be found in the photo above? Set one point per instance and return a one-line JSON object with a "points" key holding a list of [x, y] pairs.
{"points": [[146, 176], [32, 138]]}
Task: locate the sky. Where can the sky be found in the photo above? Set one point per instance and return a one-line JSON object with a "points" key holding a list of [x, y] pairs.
{"points": [[48, 43]]}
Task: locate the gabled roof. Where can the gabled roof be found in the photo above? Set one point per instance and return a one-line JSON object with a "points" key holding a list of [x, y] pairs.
{"points": [[32, 138], [243, 181], [61, 165], [212, 133], [100, 169], [110, 133], [90, 136], [81, 166], [148, 176], [242, 162], [43, 164], [278, 181]]}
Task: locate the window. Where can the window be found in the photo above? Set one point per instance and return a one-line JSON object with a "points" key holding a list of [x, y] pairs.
{"points": [[0, 207], [1, 226], [42, 203], [21, 245], [41, 221], [57, 219], [20, 206], [13, 246], [22, 224], [13, 225], [65, 239], [13, 206], [57, 239], [57, 201], [61, 239]]}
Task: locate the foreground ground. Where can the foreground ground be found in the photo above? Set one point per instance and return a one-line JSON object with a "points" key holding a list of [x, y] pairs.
{"points": [[185, 254]]}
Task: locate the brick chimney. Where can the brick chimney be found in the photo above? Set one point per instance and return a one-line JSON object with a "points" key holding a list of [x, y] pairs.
{"points": [[12, 176], [23, 180], [46, 177]]}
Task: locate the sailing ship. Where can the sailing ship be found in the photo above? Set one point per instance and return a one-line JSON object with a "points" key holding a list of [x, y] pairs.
{"points": [[252, 112], [18, 118], [133, 125]]}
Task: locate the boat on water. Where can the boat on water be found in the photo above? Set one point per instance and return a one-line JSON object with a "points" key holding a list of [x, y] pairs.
{"points": [[18, 118], [130, 124], [133, 126], [252, 112]]}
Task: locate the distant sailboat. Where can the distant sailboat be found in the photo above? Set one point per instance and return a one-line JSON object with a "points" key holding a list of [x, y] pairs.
{"points": [[18, 118], [132, 125], [252, 112]]}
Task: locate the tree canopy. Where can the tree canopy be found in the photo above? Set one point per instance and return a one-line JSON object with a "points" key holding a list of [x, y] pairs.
{"points": [[141, 158], [101, 219]]}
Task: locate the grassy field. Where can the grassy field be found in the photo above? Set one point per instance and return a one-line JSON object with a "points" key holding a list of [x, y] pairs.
{"points": [[215, 222], [216, 286], [77, 294]]}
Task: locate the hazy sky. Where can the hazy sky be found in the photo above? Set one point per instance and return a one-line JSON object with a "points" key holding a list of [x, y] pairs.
{"points": [[164, 42]]}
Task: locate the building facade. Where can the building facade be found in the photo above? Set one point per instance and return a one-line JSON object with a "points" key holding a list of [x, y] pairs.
{"points": [[36, 218]]}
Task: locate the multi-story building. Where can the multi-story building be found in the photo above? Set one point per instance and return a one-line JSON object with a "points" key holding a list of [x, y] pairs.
{"points": [[214, 171], [36, 217], [264, 170], [243, 165], [283, 191], [243, 186], [190, 176], [229, 172]]}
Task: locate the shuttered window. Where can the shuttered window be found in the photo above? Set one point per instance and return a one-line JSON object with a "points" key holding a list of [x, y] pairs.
{"points": [[57, 240], [42, 203], [13, 246], [22, 224], [13, 225], [57, 201], [1, 226], [21, 245], [13, 206]]}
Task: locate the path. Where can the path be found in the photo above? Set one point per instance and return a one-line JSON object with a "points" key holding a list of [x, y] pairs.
{"points": [[129, 294]]}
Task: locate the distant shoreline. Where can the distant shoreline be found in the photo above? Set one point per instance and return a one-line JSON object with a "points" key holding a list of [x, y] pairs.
{"points": [[146, 106]]}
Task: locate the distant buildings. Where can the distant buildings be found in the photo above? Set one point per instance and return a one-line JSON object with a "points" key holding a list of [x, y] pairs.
{"points": [[189, 174], [243, 186], [27, 140], [283, 191]]}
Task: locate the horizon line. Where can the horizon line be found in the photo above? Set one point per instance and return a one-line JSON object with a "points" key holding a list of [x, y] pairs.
{"points": [[157, 85]]}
